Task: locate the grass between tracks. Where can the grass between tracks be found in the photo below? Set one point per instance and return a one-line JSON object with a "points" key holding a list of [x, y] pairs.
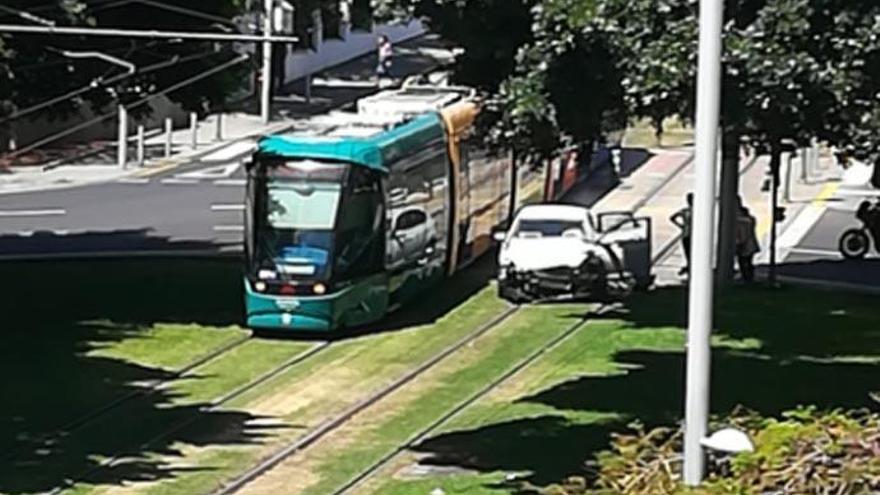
{"points": [[300, 399], [378, 430], [773, 350]]}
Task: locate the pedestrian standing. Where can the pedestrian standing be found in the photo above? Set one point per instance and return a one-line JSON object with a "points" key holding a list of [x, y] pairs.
{"points": [[746, 244], [682, 219], [386, 55]]}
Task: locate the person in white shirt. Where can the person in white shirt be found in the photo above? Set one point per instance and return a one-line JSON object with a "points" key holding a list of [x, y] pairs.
{"points": [[386, 54]]}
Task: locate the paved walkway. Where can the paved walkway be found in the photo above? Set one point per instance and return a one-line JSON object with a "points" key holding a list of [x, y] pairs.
{"points": [[655, 185], [333, 88]]}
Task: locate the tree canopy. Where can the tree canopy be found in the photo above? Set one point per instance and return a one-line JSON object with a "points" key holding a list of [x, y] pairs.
{"points": [[793, 69]]}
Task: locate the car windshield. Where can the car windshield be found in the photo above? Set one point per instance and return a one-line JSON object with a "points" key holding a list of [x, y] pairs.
{"points": [[548, 228]]}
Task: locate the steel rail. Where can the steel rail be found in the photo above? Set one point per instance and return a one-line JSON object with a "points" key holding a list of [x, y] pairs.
{"points": [[451, 414], [335, 423], [151, 388], [213, 406]]}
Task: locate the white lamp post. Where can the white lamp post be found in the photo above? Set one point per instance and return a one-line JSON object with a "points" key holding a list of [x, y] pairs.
{"points": [[702, 240]]}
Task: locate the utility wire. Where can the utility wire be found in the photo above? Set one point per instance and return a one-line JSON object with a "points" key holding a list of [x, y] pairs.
{"points": [[99, 82], [101, 118]]}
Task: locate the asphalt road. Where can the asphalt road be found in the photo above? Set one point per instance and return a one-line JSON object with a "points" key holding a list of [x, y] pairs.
{"points": [[816, 256], [196, 208]]}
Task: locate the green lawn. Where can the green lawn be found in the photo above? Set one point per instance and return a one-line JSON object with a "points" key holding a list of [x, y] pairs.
{"points": [[323, 387], [79, 335], [773, 350]]}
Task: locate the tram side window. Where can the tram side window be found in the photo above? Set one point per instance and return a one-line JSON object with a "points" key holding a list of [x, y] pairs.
{"points": [[360, 240]]}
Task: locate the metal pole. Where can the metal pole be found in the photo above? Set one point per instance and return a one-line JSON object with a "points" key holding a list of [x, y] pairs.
{"points": [[169, 128], [700, 297], [140, 146], [194, 129], [218, 129], [122, 145], [308, 88], [266, 90]]}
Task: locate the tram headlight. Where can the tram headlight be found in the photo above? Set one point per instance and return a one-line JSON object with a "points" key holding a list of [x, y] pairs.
{"points": [[260, 286], [319, 289]]}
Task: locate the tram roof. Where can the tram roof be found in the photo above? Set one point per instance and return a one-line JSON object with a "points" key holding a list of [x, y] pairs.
{"points": [[354, 139]]}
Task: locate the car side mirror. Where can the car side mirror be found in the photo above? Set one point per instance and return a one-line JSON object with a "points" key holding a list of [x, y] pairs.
{"points": [[499, 235]]}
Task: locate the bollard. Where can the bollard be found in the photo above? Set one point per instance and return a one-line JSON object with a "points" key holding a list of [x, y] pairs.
{"points": [[804, 174], [194, 129], [218, 131], [140, 146], [788, 165], [122, 145], [169, 128]]}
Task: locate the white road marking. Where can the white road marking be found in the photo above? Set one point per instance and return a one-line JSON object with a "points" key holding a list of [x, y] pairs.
{"points": [[230, 152], [231, 182], [820, 252], [33, 213], [229, 228], [802, 224], [227, 207], [179, 181], [218, 172], [858, 192], [133, 180]]}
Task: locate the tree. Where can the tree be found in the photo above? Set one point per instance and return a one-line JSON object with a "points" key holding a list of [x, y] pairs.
{"points": [[490, 32], [36, 70]]}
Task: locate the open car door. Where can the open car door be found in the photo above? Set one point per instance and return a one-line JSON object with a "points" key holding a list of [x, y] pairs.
{"points": [[629, 237]]}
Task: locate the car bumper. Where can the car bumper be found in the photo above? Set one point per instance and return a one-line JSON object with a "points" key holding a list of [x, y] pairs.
{"points": [[553, 283]]}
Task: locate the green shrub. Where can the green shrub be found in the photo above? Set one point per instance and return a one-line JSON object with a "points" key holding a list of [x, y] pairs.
{"points": [[803, 452]]}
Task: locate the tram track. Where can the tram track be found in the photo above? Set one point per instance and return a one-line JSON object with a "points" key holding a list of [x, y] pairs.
{"points": [[213, 406], [425, 433], [149, 389], [335, 423]]}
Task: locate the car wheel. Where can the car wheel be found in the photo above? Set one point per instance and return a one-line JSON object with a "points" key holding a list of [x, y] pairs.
{"points": [[854, 244]]}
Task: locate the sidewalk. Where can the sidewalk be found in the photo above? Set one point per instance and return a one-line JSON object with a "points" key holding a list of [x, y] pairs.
{"points": [[657, 189], [333, 88]]}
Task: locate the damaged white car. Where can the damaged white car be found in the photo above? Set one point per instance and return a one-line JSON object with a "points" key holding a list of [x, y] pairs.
{"points": [[554, 251]]}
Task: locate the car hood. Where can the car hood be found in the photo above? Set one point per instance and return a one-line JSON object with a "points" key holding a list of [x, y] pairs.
{"points": [[540, 254]]}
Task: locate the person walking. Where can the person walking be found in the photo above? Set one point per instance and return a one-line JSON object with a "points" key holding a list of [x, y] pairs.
{"points": [[682, 219], [386, 55], [746, 244]]}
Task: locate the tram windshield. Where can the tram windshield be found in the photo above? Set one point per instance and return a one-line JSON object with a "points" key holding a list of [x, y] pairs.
{"points": [[296, 212], [314, 220]]}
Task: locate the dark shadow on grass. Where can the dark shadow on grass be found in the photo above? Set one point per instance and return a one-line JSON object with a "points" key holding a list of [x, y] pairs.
{"points": [[808, 348], [54, 315]]}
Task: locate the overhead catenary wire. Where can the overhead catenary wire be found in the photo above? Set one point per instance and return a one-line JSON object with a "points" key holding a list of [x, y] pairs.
{"points": [[100, 118], [144, 33]]}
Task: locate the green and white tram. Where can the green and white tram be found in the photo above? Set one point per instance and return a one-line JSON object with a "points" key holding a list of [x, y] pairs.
{"points": [[359, 212]]}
